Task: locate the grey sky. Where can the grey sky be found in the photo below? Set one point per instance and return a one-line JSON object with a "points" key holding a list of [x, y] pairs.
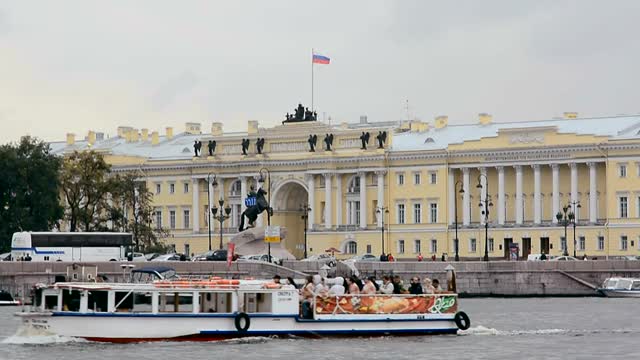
{"points": [[71, 66]]}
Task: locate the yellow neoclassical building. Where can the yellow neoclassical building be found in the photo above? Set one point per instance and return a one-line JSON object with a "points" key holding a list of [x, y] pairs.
{"points": [[404, 193]]}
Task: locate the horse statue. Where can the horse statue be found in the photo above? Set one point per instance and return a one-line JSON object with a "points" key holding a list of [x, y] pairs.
{"points": [[252, 212]]}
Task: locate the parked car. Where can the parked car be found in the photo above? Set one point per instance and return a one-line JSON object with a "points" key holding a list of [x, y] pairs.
{"points": [[260, 257], [216, 255], [151, 256], [322, 258], [564, 258], [136, 257], [365, 257], [168, 257]]}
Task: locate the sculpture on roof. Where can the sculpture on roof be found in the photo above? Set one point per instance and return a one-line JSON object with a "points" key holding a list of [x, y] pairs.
{"points": [[197, 145], [301, 114], [328, 141], [313, 140], [245, 146], [212, 147], [365, 139], [259, 145], [382, 138]]}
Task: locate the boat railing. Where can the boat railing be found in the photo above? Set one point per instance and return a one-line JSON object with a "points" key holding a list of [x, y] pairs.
{"points": [[361, 304]]}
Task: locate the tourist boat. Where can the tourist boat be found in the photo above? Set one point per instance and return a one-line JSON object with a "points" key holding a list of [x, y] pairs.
{"points": [[7, 300], [225, 309], [621, 287]]}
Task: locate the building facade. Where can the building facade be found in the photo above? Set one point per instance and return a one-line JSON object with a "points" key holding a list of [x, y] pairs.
{"points": [[405, 193]]}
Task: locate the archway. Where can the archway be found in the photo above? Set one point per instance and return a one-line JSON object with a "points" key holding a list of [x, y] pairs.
{"points": [[286, 201]]}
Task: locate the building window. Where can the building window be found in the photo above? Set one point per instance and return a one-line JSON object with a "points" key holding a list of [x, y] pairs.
{"points": [[186, 219], [416, 178], [417, 213], [158, 188], [400, 179], [235, 188], [172, 188], [433, 178], [357, 212], [368, 248], [472, 245], [400, 246], [400, 213], [624, 243], [185, 188], [490, 245], [172, 219], [352, 247], [417, 247], [563, 244], [623, 170], [582, 242], [600, 242], [434, 246], [433, 213], [158, 219], [624, 209]]}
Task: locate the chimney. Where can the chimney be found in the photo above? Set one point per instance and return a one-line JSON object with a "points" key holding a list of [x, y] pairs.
{"points": [[252, 127], [71, 138], [192, 128], [91, 137], [145, 134], [363, 119], [169, 133], [155, 139], [442, 121], [135, 135], [216, 129], [570, 115], [123, 130], [484, 118]]}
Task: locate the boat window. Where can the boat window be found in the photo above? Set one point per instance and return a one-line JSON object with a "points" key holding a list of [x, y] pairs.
{"points": [[124, 301], [215, 302], [257, 302], [98, 301], [70, 300], [610, 283], [176, 302], [636, 285], [51, 302], [624, 284], [142, 302]]}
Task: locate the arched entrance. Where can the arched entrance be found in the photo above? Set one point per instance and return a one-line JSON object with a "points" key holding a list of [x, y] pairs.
{"points": [[286, 201]]}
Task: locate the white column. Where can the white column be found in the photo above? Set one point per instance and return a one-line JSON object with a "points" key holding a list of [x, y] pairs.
{"points": [[537, 196], [338, 200], [380, 214], [195, 205], [593, 193], [363, 199], [519, 210], [243, 191], [311, 186], [574, 182], [466, 199], [555, 192], [483, 193], [327, 201], [451, 184], [501, 199]]}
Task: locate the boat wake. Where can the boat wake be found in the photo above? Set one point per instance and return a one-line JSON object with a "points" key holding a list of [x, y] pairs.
{"points": [[486, 331], [31, 336]]}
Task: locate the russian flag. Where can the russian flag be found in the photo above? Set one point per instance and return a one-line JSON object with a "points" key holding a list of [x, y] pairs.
{"points": [[320, 59]]}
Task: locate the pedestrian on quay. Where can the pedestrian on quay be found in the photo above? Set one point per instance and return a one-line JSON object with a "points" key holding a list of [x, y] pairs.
{"points": [[420, 258]]}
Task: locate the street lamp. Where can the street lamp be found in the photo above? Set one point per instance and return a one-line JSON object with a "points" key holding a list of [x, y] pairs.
{"points": [[575, 204], [221, 218], [566, 217], [382, 210], [209, 184], [455, 211], [485, 204], [261, 180], [305, 216]]}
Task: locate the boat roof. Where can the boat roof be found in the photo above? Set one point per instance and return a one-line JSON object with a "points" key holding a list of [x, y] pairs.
{"points": [[177, 285], [153, 269]]}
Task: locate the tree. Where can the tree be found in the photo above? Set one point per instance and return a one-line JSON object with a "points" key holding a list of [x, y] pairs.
{"points": [[29, 189], [86, 186]]}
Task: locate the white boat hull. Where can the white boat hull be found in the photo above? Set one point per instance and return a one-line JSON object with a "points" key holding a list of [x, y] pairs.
{"points": [[128, 327], [620, 293]]}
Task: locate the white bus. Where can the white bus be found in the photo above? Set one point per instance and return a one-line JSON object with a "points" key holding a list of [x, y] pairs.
{"points": [[70, 246]]}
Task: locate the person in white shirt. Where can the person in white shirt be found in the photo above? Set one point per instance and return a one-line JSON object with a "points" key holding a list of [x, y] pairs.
{"points": [[337, 289], [387, 286]]}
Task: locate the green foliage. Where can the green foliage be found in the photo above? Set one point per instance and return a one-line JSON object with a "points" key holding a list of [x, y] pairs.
{"points": [[29, 188]]}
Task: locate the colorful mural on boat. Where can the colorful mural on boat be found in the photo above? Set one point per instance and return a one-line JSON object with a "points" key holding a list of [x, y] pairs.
{"points": [[384, 304]]}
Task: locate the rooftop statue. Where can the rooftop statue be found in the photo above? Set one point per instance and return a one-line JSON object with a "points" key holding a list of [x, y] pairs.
{"points": [[245, 146], [328, 140], [313, 140], [301, 114], [365, 139], [259, 145], [197, 145], [382, 138], [212, 147]]}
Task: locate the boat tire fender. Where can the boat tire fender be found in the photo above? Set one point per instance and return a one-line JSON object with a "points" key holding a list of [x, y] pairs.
{"points": [[242, 322], [462, 320]]}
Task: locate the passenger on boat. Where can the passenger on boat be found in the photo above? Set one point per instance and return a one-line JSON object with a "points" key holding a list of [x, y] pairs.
{"points": [[387, 285], [428, 288], [369, 287], [337, 288], [358, 282], [397, 285], [307, 297], [415, 288], [436, 286], [276, 279], [290, 281], [352, 286]]}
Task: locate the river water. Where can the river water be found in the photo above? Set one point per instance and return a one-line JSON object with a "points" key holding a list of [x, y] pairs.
{"points": [[534, 328]]}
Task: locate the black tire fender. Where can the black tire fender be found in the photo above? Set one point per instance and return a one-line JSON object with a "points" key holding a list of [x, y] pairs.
{"points": [[462, 320], [242, 322]]}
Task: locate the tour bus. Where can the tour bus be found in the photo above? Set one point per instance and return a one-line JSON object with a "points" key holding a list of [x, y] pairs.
{"points": [[70, 246]]}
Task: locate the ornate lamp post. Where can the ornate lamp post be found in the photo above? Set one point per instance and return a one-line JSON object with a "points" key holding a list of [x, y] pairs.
{"points": [[456, 242], [566, 217], [382, 210], [574, 204], [209, 184], [485, 203], [305, 216], [222, 217], [261, 180]]}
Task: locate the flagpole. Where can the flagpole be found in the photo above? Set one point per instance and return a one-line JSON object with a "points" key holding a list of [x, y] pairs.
{"points": [[312, 109]]}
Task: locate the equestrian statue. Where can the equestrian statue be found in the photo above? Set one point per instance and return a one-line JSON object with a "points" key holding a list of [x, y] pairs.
{"points": [[256, 208]]}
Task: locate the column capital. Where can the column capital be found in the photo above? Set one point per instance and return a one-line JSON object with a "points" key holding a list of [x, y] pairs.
{"points": [[591, 163], [500, 168], [517, 167], [483, 170], [327, 175], [573, 165], [554, 166], [309, 177], [362, 173], [535, 166], [381, 172], [242, 178], [465, 171]]}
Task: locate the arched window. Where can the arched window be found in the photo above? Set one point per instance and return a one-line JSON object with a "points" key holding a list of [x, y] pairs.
{"points": [[351, 247], [354, 185], [235, 188]]}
